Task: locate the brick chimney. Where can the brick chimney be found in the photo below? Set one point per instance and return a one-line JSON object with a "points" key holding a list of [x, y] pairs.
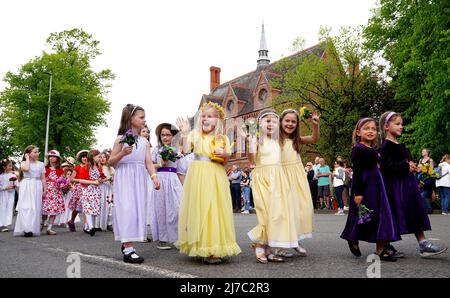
{"points": [[215, 77]]}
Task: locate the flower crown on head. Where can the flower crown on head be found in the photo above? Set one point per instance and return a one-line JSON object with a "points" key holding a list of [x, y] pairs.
{"points": [[217, 107]]}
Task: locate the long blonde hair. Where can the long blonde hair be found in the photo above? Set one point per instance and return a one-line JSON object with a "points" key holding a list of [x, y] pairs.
{"points": [[445, 157]]}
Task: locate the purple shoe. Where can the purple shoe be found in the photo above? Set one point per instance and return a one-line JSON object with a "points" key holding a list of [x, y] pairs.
{"points": [[71, 226]]}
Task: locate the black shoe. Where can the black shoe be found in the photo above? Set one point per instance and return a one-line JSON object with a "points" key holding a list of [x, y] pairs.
{"points": [[354, 248], [92, 231], [122, 248], [387, 256], [86, 231], [28, 234], [98, 230], [110, 228], [395, 253], [133, 258]]}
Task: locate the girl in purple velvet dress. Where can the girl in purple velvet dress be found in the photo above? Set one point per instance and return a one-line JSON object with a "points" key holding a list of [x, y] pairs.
{"points": [[401, 186], [368, 190]]}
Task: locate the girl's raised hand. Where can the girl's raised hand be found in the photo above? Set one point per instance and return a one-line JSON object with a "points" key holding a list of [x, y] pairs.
{"points": [[27, 156], [183, 125], [315, 118]]}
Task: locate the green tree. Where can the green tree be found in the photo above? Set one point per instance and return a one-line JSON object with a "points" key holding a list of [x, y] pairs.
{"points": [[343, 85], [78, 97], [414, 37], [6, 146]]}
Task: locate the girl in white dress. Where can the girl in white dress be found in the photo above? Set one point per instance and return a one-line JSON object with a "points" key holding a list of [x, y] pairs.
{"points": [[7, 186], [32, 187]]}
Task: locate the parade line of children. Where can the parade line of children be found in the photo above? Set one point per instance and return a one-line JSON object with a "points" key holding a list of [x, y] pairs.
{"points": [[181, 189]]}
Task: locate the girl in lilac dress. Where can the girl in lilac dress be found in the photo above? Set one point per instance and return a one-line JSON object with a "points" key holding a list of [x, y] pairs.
{"points": [[131, 159], [368, 190], [165, 201], [402, 187]]}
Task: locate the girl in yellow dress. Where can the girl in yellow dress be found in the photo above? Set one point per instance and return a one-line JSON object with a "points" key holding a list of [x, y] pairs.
{"points": [[273, 200], [291, 141], [206, 224]]}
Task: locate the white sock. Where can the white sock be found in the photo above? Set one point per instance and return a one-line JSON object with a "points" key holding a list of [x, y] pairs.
{"points": [[49, 227], [89, 221], [96, 221], [128, 250], [260, 250]]}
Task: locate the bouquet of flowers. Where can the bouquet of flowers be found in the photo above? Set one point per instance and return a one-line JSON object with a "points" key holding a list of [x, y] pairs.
{"points": [[428, 171], [129, 138], [169, 153], [13, 179], [64, 184], [427, 176], [363, 214], [305, 113]]}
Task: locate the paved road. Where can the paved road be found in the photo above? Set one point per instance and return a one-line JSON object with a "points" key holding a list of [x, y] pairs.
{"points": [[46, 256]]}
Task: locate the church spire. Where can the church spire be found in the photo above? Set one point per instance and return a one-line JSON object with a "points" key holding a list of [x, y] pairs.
{"points": [[263, 59]]}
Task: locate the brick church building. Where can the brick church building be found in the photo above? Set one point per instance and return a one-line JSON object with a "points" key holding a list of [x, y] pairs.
{"points": [[245, 96]]}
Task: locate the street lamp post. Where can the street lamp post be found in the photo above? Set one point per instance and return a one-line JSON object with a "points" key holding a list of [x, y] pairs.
{"points": [[48, 118]]}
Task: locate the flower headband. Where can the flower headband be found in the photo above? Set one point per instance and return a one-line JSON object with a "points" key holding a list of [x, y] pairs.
{"points": [[363, 121], [217, 107], [389, 116]]}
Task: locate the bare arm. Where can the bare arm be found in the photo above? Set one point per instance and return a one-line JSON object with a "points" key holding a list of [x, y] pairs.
{"points": [[118, 152], [315, 120], [25, 165], [185, 129], [151, 168], [72, 177], [44, 183], [83, 181]]}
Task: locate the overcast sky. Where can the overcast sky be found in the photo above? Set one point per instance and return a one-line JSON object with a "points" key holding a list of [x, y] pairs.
{"points": [[161, 51]]}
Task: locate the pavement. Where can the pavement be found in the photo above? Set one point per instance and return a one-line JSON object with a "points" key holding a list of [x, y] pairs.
{"points": [[328, 256]]}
